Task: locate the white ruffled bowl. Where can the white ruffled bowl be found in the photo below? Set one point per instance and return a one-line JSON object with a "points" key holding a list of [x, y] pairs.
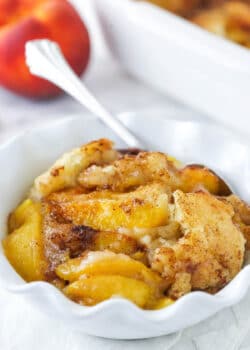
{"points": [[28, 154]]}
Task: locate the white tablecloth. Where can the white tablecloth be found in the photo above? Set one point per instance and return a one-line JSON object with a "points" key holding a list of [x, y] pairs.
{"points": [[22, 327]]}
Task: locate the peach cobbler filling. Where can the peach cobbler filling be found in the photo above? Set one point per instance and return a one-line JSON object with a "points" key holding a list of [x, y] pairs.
{"points": [[103, 223], [227, 18]]}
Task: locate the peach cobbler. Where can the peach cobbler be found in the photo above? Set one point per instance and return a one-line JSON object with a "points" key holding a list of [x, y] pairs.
{"points": [[103, 223], [227, 18]]}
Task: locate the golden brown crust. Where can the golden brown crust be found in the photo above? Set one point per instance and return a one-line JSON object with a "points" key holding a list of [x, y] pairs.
{"points": [[211, 249], [130, 172], [241, 216], [66, 169]]}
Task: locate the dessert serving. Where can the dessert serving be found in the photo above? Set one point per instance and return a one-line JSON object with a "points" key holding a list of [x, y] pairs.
{"points": [[103, 223], [227, 18]]}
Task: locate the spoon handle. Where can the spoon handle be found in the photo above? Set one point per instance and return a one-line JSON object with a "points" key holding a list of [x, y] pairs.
{"points": [[45, 59]]}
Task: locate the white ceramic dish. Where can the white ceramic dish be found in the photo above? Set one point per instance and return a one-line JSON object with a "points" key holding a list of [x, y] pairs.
{"points": [[27, 155], [179, 58]]}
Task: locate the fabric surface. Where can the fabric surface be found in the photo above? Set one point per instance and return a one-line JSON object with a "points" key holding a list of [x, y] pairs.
{"points": [[23, 327]]}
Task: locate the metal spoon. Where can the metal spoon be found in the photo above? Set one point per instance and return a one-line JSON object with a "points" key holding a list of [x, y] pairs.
{"points": [[45, 60]]}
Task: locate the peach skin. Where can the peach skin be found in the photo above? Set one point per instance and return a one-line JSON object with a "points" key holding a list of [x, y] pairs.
{"points": [[24, 20]]}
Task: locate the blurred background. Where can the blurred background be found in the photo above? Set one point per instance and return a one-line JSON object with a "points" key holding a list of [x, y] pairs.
{"points": [[117, 90]]}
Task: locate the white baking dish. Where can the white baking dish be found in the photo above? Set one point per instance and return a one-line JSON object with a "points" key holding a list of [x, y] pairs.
{"points": [[24, 157], [179, 58]]}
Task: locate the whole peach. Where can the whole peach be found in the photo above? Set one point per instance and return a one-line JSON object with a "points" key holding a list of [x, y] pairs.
{"points": [[24, 20]]}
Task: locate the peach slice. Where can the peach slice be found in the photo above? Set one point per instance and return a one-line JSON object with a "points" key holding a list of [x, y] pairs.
{"points": [[91, 290], [108, 263], [107, 211], [24, 245]]}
